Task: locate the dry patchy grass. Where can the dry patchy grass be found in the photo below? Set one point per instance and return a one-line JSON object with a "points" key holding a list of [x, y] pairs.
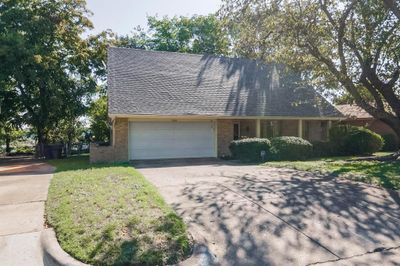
{"points": [[110, 215]]}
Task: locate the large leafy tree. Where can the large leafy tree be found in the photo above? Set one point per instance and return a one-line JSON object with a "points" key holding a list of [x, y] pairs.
{"points": [[51, 67], [10, 117], [196, 34], [347, 45]]}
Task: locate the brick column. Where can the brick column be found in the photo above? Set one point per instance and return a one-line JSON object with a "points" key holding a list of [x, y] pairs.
{"points": [[121, 135]]}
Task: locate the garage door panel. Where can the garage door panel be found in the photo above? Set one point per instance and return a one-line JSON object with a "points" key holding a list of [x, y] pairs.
{"points": [[153, 140]]}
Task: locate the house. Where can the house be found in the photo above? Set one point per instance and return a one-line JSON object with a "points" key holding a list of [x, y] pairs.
{"points": [[357, 116], [176, 105]]}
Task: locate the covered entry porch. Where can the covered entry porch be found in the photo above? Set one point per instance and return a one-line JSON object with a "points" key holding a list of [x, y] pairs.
{"points": [[310, 129]]}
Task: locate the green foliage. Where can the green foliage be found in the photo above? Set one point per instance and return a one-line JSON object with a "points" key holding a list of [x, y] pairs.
{"points": [[66, 131], [10, 117], [249, 150], [391, 143], [9, 135], [24, 150], [384, 174], [290, 148], [340, 46], [362, 141], [99, 126], [323, 148], [196, 34], [337, 136], [46, 62], [351, 140]]}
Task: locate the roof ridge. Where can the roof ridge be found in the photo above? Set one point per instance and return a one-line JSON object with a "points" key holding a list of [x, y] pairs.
{"points": [[189, 54]]}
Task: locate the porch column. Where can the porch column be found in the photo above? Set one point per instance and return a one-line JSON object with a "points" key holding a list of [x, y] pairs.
{"points": [[258, 128], [329, 127], [300, 128]]}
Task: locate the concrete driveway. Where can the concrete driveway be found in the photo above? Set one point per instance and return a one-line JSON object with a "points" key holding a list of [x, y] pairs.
{"points": [[23, 191], [252, 215]]}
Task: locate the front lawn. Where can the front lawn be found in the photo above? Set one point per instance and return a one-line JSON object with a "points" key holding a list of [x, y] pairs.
{"points": [[384, 174], [110, 215]]}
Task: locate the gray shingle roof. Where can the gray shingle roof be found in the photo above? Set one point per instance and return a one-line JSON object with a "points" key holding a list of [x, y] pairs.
{"points": [[165, 83]]}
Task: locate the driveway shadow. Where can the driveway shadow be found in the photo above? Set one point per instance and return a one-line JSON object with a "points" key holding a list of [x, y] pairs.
{"points": [[265, 216]]}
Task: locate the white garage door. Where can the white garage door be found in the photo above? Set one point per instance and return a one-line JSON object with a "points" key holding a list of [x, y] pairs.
{"points": [[161, 140]]}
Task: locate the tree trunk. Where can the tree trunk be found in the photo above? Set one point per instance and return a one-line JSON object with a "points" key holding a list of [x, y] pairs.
{"points": [[395, 125], [8, 148], [40, 145]]}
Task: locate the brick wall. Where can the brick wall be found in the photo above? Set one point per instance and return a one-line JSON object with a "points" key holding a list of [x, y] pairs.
{"points": [[101, 154], [314, 131], [121, 133], [289, 128], [118, 150], [224, 136]]}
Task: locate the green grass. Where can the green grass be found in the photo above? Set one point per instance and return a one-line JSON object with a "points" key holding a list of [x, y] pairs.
{"points": [[384, 174], [110, 215]]}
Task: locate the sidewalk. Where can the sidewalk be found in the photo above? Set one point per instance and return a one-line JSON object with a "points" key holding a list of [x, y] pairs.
{"points": [[23, 191]]}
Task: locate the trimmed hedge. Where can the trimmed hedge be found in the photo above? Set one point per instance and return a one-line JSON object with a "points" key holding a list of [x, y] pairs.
{"points": [[323, 149], [352, 140], [362, 141], [290, 148], [249, 150], [337, 138], [390, 143]]}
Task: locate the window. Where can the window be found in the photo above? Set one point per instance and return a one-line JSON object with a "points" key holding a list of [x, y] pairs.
{"points": [[324, 130], [270, 129], [236, 131]]}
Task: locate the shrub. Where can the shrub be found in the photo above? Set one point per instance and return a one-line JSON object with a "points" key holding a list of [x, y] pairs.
{"points": [[337, 138], [390, 142], [323, 148], [362, 141], [23, 150], [352, 140], [249, 150], [290, 148]]}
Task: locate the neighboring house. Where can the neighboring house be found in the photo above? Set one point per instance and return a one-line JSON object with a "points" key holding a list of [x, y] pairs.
{"points": [[357, 116], [176, 105]]}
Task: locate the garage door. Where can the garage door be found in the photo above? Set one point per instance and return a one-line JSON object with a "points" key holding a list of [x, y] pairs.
{"points": [[161, 140]]}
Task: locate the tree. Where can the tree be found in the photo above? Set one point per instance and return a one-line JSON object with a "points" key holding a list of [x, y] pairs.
{"points": [[42, 54], [196, 34], [98, 117], [394, 6], [10, 120], [354, 44]]}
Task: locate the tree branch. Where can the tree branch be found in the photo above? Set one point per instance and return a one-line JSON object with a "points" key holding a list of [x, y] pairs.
{"points": [[391, 5]]}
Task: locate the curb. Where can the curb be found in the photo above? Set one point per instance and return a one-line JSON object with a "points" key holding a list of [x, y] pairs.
{"points": [[201, 256], [53, 254]]}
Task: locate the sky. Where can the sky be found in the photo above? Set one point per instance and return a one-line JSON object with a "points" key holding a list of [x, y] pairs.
{"points": [[121, 16]]}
